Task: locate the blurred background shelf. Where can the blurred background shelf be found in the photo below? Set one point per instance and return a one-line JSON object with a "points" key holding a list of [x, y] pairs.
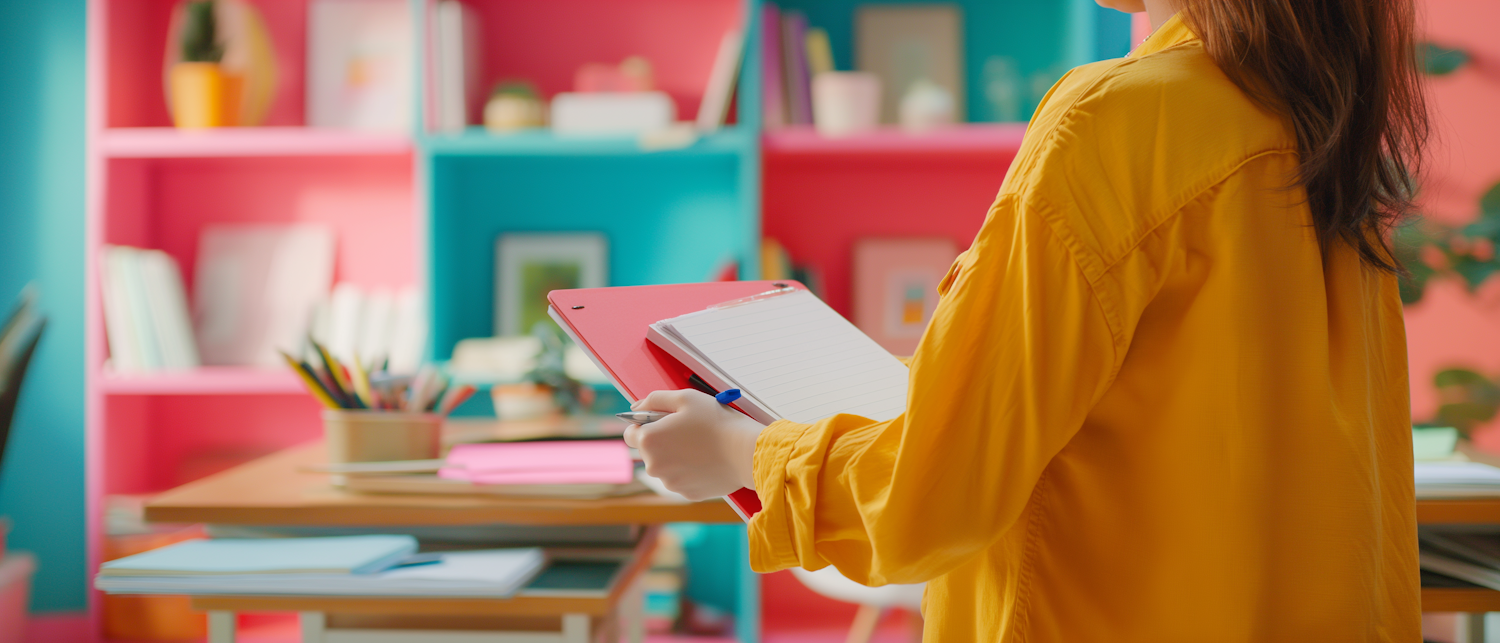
{"points": [[478, 142], [167, 142], [207, 380], [973, 139]]}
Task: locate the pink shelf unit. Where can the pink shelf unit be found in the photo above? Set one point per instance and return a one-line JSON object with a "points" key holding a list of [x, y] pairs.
{"points": [[155, 187], [820, 195], [167, 142], [209, 380]]}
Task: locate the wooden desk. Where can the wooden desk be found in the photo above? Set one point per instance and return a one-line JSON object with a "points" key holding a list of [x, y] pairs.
{"points": [[274, 491]]}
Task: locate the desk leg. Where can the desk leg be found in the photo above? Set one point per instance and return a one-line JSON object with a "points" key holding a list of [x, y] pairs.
{"points": [[1473, 627], [313, 624], [575, 628], [632, 613], [221, 627]]}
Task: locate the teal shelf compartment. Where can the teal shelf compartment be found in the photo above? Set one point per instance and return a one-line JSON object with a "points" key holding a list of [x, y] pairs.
{"points": [[1043, 40], [667, 218]]}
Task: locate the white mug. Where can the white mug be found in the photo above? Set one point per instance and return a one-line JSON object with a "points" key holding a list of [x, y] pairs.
{"points": [[845, 102]]}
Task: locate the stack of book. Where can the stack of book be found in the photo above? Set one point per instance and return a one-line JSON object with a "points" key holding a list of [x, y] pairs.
{"points": [[793, 54], [145, 311], [1473, 558], [550, 469], [374, 565], [1456, 479]]}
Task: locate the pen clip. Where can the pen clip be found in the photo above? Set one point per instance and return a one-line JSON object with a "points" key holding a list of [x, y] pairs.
{"points": [[754, 298]]}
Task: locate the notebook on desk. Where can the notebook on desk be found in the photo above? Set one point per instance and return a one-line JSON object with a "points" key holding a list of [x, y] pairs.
{"points": [[791, 355]]}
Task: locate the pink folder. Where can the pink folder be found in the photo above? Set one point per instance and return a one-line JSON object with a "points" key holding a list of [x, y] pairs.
{"points": [[567, 462]]}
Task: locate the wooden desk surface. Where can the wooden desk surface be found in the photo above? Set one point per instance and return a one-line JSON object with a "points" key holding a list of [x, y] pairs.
{"points": [[273, 491]]}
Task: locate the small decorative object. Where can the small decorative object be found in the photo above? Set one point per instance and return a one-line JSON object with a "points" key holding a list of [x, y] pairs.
{"points": [[845, 102], [1440, 61], [1002, 88], [223, 44], [895, 288], [528, 266], [925, 107], [359, 64], [514, 105], [903, 44], [612, 113], [632, 75], [523, 401], [197, 85]]}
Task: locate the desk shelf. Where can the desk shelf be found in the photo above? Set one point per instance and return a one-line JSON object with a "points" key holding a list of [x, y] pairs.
{"points": [[958, 142]]}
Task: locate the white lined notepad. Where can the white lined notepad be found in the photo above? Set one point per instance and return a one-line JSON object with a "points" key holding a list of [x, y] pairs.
{"points": [[792, 356]]}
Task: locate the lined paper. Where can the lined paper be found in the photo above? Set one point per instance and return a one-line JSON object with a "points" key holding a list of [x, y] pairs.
{"points": [[800, 359]]}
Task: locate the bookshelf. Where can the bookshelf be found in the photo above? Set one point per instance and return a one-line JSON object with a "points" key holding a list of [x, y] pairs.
{"points": [[425, 208]]}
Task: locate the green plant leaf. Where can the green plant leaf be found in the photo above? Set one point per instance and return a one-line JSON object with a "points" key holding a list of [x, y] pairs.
{"points": [[1440, 61], [1474, 271], [200, 38], [1489, 204]]}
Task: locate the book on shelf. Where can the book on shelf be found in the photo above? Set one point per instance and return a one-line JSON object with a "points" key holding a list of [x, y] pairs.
{"points": [[146, 318], [794, 68], [456, 76], [1456, 479], [714, 109], [773, 98], [255, 287], [373, 327]]}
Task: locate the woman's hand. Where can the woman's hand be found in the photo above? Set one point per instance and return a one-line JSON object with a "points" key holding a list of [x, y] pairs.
{"points": [[702, 450]]}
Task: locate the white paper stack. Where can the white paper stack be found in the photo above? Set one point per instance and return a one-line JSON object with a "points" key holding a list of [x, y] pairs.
{"points": [[496, 573], [1456, 480]]}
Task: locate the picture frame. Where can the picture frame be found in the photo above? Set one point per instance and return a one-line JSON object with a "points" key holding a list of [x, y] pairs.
{"points": [[905, 43], [895, 288], [530, 265]]}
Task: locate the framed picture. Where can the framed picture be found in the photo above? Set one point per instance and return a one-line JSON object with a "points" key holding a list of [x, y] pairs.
{"points": [[528, 266], [895, 288], [903, 44]]}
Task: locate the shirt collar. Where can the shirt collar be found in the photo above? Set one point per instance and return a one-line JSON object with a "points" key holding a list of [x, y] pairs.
{"points": [[1174, 32]]}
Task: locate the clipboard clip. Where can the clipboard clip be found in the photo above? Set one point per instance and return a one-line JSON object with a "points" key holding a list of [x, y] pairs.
{"points": [[754, 298]]}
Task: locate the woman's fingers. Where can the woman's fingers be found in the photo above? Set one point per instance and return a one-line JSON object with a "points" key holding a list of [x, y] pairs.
{"points": [[633, 436], [668, 401]]}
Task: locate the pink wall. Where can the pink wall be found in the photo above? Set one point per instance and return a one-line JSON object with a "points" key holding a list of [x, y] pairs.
{"points": [[1449, 327]]}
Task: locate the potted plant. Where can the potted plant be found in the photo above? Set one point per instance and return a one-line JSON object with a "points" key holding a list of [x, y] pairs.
{"points": [[548, 391], [196, 84]]}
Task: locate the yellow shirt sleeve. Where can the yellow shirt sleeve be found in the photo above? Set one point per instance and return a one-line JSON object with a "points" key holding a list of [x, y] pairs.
{"points": [[1018, 351]]}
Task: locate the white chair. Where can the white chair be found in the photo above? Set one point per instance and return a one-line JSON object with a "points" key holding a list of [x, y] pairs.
{"points": [[872, 601]]}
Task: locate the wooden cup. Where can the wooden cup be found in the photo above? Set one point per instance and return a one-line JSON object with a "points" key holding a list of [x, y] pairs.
{"points": [[380, 436]]}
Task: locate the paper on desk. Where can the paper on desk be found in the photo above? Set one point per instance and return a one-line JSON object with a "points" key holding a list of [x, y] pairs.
{"points": [[563, 462]]}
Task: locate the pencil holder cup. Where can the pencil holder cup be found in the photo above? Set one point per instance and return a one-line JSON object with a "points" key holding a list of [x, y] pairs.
{"points": [[381, 436]]}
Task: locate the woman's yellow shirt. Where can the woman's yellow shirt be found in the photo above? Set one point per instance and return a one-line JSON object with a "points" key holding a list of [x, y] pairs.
{"points": [[1148, 408]]}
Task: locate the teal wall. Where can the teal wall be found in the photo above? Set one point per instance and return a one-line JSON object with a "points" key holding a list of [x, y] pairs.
{"points": [[41, 240]]}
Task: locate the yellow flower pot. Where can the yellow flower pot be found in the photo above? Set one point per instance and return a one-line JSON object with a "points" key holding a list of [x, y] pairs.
{"points": [[197, 95]]}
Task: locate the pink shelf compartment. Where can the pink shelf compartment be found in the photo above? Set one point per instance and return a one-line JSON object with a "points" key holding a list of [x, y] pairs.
{"points": [[968, 139], [167, 142], [208, 380]]}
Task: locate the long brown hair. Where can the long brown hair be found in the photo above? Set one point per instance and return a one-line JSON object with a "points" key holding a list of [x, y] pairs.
{"points": [[1344, 74]]}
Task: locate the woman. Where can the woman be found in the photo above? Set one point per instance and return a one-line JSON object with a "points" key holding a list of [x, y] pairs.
{"points": [[1164, 396]]}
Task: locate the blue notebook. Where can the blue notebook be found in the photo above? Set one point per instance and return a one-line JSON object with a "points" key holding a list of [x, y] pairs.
{"points": [[337, 555]]}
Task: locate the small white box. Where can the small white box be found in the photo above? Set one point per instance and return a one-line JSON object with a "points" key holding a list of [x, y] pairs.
{"points": [[612, 112]]}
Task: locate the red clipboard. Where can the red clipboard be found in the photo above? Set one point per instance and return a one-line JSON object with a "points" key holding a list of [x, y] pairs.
{"points": [[610, 325]]}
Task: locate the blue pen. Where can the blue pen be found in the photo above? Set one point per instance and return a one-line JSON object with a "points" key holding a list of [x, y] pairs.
{"points": [[647, 417]]}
